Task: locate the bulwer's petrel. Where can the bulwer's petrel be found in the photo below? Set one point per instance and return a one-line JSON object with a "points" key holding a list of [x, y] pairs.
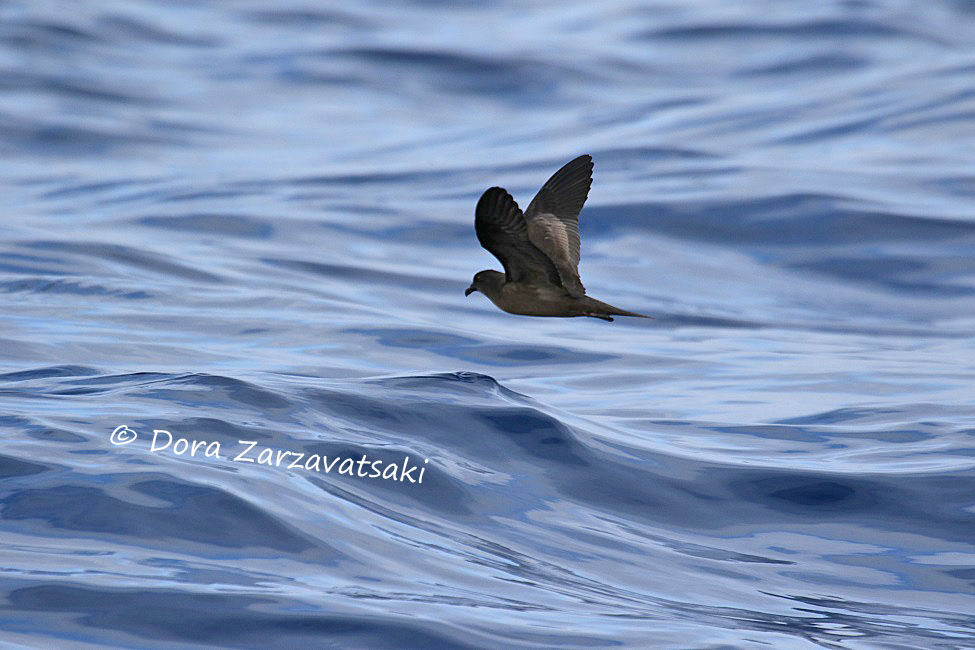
{"points": [[539, 249]]}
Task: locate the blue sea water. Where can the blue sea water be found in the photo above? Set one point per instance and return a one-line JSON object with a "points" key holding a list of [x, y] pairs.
{"points": [[253, 221]]}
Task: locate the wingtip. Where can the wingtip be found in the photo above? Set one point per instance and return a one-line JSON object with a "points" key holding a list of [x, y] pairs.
{"points": [[490, 197], [491, 191]]}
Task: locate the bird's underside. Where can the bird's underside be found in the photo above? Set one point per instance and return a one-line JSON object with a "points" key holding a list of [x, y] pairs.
{"points": [[539, 248], [547, 300]]}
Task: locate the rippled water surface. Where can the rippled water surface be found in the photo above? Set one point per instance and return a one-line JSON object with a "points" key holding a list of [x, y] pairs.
{"points": [[253, 221]]}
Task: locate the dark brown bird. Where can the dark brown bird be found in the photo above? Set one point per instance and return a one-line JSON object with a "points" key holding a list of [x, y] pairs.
{"points": [[539, 249]]}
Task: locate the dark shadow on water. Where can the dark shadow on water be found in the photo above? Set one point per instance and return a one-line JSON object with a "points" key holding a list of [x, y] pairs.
{"points": [[467, 349], [230, 620]]}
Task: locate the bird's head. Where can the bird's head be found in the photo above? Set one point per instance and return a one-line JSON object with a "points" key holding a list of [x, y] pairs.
{"points": [[487, 282]]}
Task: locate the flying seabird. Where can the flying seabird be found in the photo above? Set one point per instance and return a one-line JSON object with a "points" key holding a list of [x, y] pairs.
{"points": [[539, 249]]}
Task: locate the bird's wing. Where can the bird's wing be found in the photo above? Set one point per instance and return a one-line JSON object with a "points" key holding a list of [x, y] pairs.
{"points": [[502, 230], [553, 219]]}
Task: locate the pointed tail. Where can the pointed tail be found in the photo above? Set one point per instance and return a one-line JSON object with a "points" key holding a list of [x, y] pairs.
{"points": [[602, 309], [621, 312]]}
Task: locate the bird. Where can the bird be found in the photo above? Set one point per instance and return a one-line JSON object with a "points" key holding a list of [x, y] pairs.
{"points": [[539, 249]]}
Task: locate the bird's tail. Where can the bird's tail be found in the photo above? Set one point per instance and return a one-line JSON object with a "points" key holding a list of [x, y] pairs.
{"points": [[622, 312], [602, 310]]}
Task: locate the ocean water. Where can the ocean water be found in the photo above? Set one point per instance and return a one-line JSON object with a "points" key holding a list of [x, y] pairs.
{"points": [[253, 221]]}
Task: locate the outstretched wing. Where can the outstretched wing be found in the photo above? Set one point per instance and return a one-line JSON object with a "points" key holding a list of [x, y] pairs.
{"points": [[502, 230], [553, 219]]}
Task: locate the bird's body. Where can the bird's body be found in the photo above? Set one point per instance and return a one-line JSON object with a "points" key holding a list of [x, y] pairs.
{"points": [[543, 299], [539, 249]]}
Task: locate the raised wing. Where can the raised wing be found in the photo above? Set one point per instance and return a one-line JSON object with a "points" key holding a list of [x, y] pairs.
{"points": [[502, 230], [553, 219]]}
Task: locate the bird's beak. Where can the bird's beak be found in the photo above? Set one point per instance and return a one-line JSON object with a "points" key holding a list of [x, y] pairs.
{"points": [[471, 289]]}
